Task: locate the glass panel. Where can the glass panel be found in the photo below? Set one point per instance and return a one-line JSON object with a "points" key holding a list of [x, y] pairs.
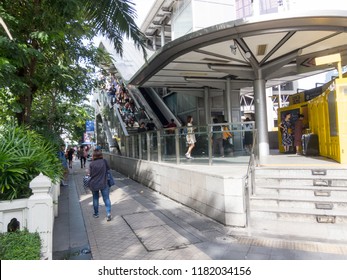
{"points": [[168, 146], [143, 139]]}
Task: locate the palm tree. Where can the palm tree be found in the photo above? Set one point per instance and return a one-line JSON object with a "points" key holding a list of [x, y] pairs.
{"points": [[48, 35], [114, 19], [5, 27], [110, 18]]}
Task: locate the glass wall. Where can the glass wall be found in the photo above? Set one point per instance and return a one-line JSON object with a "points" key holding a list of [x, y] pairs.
{"points": [[215, 144], [182, 19]]}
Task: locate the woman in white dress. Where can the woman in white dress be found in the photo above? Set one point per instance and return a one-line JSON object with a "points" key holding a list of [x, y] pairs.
{"points": [[190, 137]]}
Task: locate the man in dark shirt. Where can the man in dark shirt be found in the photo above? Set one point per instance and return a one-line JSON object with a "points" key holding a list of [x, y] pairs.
{"points": [[150, 125], [172, 127], [142, 128]]}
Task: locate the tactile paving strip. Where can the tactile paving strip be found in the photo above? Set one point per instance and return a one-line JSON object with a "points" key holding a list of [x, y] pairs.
{"points": [[294, 245]]}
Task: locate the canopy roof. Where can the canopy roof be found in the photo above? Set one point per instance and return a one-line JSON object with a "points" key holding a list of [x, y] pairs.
{"points": [[276, 47]]}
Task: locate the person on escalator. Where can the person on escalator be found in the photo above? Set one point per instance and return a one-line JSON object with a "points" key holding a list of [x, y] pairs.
{"points": [[142, 128], [141, 116], [150, 125]]}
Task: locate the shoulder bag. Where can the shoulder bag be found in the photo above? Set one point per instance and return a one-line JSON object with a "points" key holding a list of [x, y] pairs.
{"points": [[110, 180]]}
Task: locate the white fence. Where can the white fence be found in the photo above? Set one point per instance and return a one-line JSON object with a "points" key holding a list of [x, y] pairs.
{"points": [[35, 213]]}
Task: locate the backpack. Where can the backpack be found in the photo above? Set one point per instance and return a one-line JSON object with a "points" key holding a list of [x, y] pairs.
{"points": [[184, 131]]}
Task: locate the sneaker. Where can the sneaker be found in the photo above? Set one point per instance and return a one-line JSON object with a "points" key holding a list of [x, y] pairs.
{"points": [[190, 157], [108, 218], [96, 215], [187, 155]]}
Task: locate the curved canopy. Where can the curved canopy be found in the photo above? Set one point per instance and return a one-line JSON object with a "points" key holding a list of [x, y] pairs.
{"points": [[276, 47]]}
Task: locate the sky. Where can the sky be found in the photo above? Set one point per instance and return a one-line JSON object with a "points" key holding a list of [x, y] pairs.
{"points": [[142, 7]]}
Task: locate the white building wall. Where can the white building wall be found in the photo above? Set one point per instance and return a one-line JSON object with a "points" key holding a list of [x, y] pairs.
{"points": [[208, 13], [309, 5], [192, 15], [182, 19]]}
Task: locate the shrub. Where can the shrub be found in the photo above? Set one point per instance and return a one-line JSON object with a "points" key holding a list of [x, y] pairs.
{"points": [[24, 154], [20, 245]]}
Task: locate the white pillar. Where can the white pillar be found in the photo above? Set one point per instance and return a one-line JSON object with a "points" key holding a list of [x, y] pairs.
{"points": [[261, 117], [40, 213], [270, 109]]}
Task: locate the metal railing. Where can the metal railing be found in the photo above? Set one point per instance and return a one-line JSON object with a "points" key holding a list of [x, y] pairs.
{"points": [[250, 179], [170, 145]]}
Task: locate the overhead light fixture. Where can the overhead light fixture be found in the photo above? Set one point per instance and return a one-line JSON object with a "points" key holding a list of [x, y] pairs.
{"points": [[193, 74], [261, 49], [248, 55], [233, 48]]}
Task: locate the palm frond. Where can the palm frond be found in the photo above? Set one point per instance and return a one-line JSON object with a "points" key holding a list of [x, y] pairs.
{"points": [[115, 19]]}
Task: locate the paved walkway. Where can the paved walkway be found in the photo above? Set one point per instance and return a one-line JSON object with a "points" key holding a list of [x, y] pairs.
{"points": [[149, 226]]}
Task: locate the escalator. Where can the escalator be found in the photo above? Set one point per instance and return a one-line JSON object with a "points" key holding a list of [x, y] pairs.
{"points": [[148, 95]]}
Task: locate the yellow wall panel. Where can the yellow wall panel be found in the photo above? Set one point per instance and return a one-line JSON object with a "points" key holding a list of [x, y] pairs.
{"points": [[326, 116]]}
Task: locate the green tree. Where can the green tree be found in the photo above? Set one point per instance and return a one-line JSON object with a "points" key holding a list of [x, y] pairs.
{"points": [[50, 50]]}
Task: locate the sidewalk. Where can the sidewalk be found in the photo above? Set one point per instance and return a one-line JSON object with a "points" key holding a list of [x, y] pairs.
{"points": [[149, 226]]}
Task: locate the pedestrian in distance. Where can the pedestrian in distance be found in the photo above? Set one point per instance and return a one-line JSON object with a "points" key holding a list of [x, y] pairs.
{"points": [[227, 138], [217, 138], [170, 141], [97, 171], [70, 154], [286, 130], [298, 128], [248, 140], [62, 157], [83, 156], [171, 127]]}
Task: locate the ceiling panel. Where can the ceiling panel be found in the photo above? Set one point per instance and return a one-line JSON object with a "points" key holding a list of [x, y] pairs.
{"points": [[223, 51], [338, 40], [299, 40], [269, 40], [182, 73], [187, 66]]}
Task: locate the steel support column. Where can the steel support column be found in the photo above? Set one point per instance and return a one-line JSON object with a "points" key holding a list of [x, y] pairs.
{"points": [[261, 117], [227, 99], [207, 105]]}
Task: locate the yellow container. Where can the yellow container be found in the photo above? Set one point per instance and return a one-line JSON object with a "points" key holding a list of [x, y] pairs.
{"points": [[296, 98], [328, 119]]}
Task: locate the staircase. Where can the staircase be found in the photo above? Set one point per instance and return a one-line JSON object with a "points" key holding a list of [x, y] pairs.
{"points": [[307, 204]]}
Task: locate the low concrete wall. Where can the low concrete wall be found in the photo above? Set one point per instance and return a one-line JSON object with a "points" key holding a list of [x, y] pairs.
{"points": [[35, 213], [219, 197]]}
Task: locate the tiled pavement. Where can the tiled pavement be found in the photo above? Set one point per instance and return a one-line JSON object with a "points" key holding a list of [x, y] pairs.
{"points": [[149, 226]]}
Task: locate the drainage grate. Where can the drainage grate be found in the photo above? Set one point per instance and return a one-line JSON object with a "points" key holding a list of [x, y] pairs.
{"points": [[326, 219], [325, 206], [319, 172], [322, 193], [322, 183]]}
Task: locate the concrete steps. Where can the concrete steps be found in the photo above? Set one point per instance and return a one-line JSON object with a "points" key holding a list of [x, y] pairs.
{"points": [[301, 203]]}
